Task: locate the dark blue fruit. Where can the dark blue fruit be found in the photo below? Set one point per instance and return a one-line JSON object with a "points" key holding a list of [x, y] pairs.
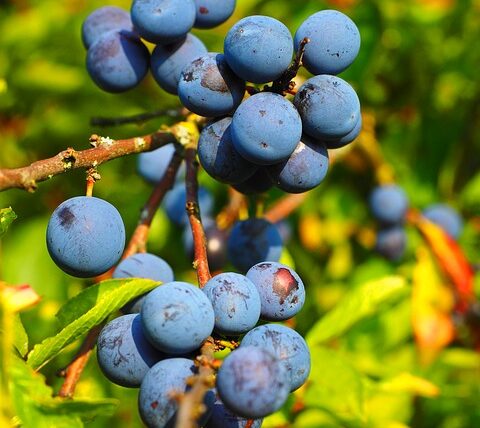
{"points": [[85, 236], [258, 48], [208, 87], [252, 382], [177, 317], [445, 217], [259, 182], [281, 290], [287, 345], [388, 204], [266, 128], [222, 417], [334, 42], [391, 242], [347, 139], [118, 61], [235, 301], [329, 107], [157, 401], [142, 265], [124, 354], [168, 61], [219, 157], [103, 20], [163, 21], [305, 169], [252, 241], [211, 13]]}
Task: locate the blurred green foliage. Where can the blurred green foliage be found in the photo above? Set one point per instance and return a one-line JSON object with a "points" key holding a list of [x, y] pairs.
{"points": [[416, 75]]}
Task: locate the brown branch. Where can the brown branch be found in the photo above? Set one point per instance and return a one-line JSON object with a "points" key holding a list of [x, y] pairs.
{"points": [[191, 404], [200, 262], [75, 368], [137, 243], [284, 207], [136, 118], [105, 149]]}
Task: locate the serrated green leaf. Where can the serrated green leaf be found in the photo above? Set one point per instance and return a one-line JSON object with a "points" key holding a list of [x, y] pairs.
{"points": [[20, 337], [336, 387], [7, 216], [106, 304], [358, 304], [85, 300]]}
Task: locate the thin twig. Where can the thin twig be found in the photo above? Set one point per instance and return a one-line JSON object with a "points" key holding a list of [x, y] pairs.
{"points": [[231, 212], [105, 149], [137, 243], [285, 206], [200, 262], [75, 368], [136, 118], [191, 404]]}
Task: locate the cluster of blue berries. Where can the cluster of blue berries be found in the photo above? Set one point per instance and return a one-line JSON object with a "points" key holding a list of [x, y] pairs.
{"points": [[251, 143], [153, 345], [389, 204]]}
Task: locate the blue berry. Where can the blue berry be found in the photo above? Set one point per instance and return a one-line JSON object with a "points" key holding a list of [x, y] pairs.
{"points": [[142, 265], [85, 236], [103, 20], [124, 354], [235, 301], [156, 399], [347, 139], [177, 317], [208, 87], [219, 157], [211, 13], [168, 61], [259, 182], [388, 204], [266, 128], [391, 242], [163, 21], [445, 217], [329, 107], [252, 382], [305, 169], [334, 42], [117, 61], [258, 48], [153, 165], [253, 241], [281, 290], [222, 417], [287, 345], [176, 199]]}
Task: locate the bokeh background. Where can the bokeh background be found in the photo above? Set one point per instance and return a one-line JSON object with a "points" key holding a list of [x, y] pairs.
{"points": [[417, 79]]}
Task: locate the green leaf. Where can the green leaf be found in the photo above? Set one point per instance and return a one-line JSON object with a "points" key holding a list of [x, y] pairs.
{"points": [[336, 387], [87, 316], [35, 406], [358, 304], [20, 338], [7, 216], [84, 301]]}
